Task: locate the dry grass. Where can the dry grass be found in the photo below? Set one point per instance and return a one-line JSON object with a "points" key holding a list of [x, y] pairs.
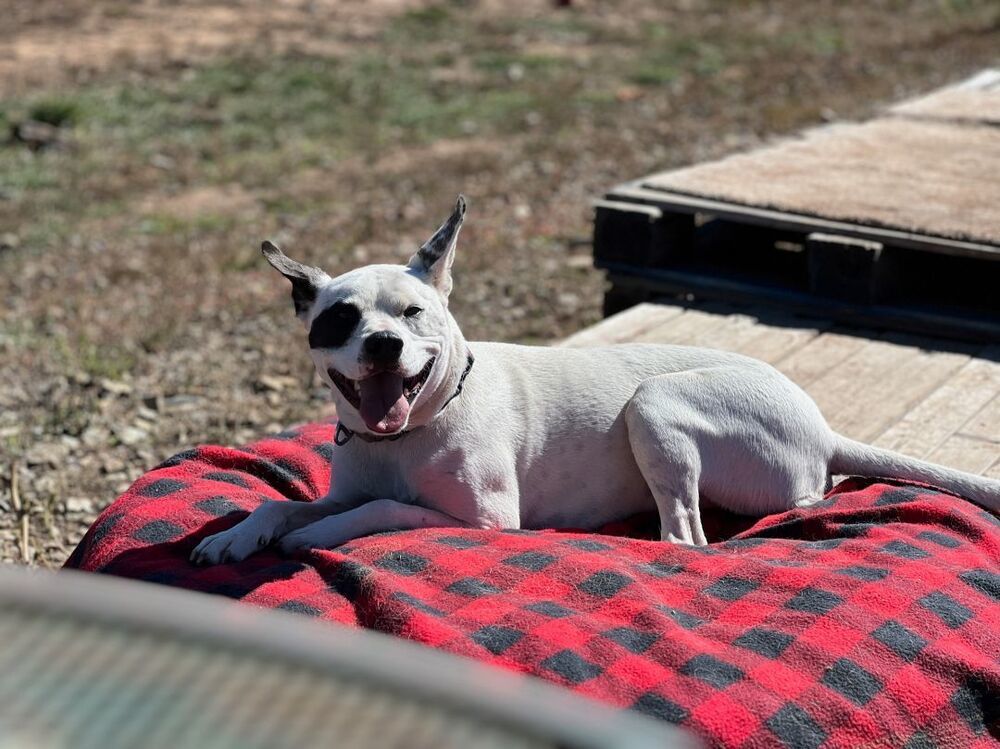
{"points": [[138, 317]]}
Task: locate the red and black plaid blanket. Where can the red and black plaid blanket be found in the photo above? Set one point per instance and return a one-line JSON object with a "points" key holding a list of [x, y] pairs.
{"points": [[870, 619]]}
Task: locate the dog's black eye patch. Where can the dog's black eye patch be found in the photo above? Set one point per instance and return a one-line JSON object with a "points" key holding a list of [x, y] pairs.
{"points": [[334, 325]]}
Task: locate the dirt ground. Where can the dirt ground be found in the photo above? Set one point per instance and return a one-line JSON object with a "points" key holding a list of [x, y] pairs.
{"points": [[147, 148]]}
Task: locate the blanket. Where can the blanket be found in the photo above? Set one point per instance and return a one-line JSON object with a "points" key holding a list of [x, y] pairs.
{"points": [[871, 618]]}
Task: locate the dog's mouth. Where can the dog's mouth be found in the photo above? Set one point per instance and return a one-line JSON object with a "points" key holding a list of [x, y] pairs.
{"points": [[383, 399]]}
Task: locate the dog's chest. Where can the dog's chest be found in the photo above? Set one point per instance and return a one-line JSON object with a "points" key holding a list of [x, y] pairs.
{"points": [[377, 474], [454, 479]]}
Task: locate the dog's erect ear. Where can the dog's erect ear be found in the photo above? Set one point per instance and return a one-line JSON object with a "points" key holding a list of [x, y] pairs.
{"points": [[305, 279], [433, 260]]}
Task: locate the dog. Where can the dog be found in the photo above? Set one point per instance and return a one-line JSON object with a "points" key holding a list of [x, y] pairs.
{"points": [[435, 431]]}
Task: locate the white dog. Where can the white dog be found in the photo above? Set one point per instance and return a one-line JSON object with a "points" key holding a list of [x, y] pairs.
{"points": [[438, 432]]}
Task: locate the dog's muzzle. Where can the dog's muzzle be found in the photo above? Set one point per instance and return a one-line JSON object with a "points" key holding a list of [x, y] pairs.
{"points": [[383, 399]]}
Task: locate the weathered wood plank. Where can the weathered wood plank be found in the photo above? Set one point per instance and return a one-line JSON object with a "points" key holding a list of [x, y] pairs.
{"points": [[745, 334], [772, 343], [976, 99], [985, 425], [941, 182], [733, 331], [873, 389], [966, 453], [819, 356], [994, 471], [843, 268], [688, 329], [624, 326], [900, 314], [640, 192], [945, 411]]}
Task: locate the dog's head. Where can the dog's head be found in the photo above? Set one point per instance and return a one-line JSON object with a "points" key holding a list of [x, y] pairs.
{"points": [[382, 336]]}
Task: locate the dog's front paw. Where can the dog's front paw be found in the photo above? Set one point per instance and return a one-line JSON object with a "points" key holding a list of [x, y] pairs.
{"points": [[296, 541], [233, 545]]}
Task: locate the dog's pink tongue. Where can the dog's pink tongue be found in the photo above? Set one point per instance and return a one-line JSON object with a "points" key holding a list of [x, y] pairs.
{"points": [[383, 405]]}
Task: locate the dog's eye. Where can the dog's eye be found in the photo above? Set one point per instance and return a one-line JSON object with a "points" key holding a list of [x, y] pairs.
{"points": [[412, 311]]}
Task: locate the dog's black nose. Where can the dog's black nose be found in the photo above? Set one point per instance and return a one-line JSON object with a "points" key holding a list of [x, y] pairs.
{"points": [[383, 347]]}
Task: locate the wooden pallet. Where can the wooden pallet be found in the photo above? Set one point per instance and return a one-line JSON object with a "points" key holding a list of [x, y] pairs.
{"points": [[927, 398], [757, 244]]}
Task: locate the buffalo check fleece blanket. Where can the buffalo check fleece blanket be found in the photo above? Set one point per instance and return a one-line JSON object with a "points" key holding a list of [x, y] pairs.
{"points": [[871, 619]]}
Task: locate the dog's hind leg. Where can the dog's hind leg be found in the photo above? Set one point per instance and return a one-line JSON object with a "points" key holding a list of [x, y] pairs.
{"points": [[669, 462], [677, 503]]}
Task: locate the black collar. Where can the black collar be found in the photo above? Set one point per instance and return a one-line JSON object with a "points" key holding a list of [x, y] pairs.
{"points": [[343, 435]]}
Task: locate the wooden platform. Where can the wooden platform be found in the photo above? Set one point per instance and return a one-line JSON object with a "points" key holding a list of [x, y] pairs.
{"points": [[893, 222], [923, 397]]}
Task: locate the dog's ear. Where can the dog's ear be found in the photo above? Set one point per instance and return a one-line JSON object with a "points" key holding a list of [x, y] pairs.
{"points": [[433, 260], [305, 279]]}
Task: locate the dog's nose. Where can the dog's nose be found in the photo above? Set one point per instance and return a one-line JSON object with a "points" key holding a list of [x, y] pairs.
{"points": [[383, 347]]}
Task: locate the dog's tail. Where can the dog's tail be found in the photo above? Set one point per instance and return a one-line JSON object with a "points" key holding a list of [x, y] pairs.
{"points": [[852, 458]]}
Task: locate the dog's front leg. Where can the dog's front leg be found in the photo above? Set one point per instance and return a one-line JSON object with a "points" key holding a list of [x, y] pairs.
{"points": [[371, 517], [266, 523]]}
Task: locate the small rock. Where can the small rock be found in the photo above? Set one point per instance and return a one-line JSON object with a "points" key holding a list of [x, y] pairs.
{"points": [[112, 464], [162, 161], [9, 241], [81, 378], [144, 425], [80, 504], [115, 387], [45, 453], [275, 383], [36, 135], [94, 436], [132, 436], [10, 431], [628, 93], [569, 299], [183, 402]]}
